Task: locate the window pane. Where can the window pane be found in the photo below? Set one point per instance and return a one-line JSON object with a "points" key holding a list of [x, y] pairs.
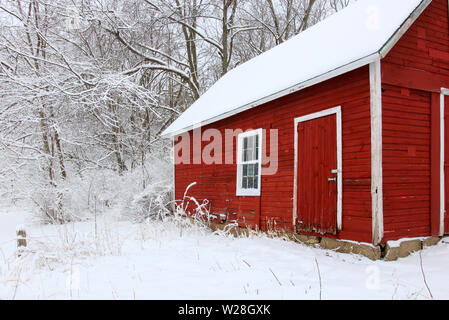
{"points": [[250, 183], [250, 150], [256, 182], [256, 170], [250, 142], [251, 170], [245, 183], [245, 170]]}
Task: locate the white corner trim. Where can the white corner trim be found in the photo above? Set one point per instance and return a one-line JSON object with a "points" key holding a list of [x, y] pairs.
{"points": [[376, 151], [240, 192], [404, 28], [320, 114], [444, 92], [173, 158]]}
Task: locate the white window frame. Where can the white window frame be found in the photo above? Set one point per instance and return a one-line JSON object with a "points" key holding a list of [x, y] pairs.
{"points": [[248, 192]]}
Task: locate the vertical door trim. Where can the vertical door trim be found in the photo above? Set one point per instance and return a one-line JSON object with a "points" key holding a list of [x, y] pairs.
{"points": [[444, 92], [376, 152], [312, 116], [173, 159]]}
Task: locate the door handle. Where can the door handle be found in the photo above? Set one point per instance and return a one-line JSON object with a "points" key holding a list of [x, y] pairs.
{"points": [[331, 179]]}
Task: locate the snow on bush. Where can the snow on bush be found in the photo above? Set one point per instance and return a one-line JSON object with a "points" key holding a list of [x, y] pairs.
{"points": [[200, 211], [138, 194], [54, 204], [156, 200]]}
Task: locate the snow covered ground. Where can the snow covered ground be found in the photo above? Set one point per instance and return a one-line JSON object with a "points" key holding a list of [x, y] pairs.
{"points": [[114, 259]]}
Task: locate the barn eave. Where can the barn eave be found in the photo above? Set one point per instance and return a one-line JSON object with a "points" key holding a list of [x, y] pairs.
{"points": [[376, 56]]}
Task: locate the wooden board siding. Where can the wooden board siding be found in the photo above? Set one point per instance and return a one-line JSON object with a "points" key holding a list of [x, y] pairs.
{"points": [[217, 183], [412, 76], [406, 162], [317, 157]]}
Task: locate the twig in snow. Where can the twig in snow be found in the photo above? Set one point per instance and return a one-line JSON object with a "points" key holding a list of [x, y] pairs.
{"points": [[17, 284], [276, 277], [4, 258], [424, 275], [114, 293], [319, 276], [71, 277], [395, 291], [249, 266]]}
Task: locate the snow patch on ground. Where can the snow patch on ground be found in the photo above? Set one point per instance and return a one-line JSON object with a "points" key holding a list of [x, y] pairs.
{"points": [[114, 259]]}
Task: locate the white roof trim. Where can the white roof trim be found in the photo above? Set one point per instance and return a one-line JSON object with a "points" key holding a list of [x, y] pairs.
{"points": [[331, 74], [403, 29], [377, 55]]}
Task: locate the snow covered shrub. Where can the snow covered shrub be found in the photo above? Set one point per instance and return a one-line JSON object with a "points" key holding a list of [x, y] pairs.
{"points": [[190, 207], [15, 185], [152, 203], [192, 216], [78, 197], [139, 194], [53, 205], [155, 201], [103, 189]]}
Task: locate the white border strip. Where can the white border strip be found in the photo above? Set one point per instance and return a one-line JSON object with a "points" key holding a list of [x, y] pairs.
{"points": [[376, 152], [298, 87], [444, 92], [320, 114], [173, 159], [404, 28]]}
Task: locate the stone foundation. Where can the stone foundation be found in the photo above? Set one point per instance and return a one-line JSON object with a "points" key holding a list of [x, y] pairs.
{"points": [[407, 247], [387, 252]]}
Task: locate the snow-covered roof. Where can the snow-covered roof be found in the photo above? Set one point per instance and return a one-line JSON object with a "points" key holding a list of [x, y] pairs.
{"points": [[348, 39]]}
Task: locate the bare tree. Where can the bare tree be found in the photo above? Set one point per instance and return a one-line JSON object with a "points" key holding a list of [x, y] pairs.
{"points": [[89, 85], [337, 5]]}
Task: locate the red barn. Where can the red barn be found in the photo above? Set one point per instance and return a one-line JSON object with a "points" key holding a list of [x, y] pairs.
{"points": [[340, 132]]}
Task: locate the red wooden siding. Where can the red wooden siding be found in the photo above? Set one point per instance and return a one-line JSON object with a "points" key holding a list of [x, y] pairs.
{"points": [[412, 74], [406, 162], [317, 157], [217, 183]]}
